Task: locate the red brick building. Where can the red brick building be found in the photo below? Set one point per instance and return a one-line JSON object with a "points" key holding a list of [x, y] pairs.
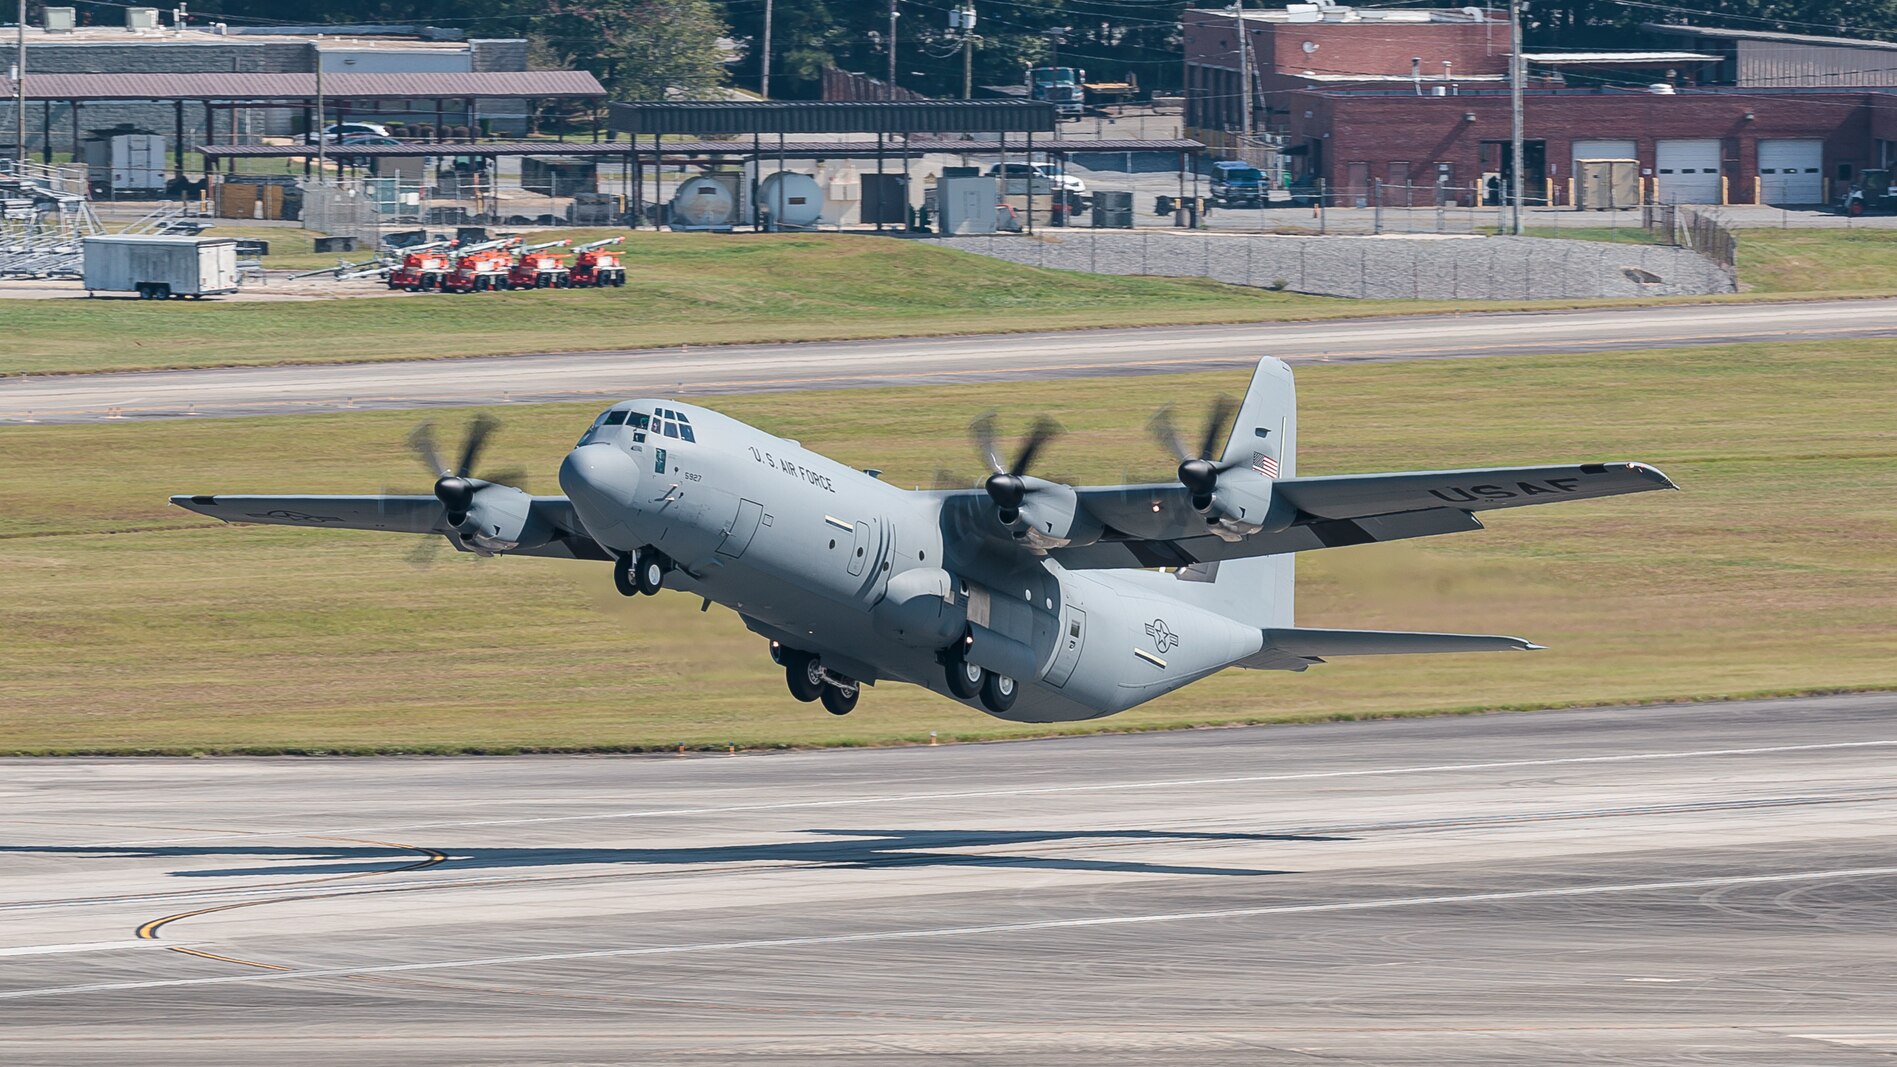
{"points": [[1701, 146], [1416, 100]]}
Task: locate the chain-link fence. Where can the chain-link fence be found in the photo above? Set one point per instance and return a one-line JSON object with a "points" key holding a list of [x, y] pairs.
{"points": [[1690, 227]]}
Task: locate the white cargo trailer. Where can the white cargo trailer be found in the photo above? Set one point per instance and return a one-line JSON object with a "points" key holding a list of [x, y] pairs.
{"points": [[161, 266]]}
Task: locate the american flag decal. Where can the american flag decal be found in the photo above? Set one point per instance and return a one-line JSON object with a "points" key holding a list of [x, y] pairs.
{"points": [[1264, 464]]}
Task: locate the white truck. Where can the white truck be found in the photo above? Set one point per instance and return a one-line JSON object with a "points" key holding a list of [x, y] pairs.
{"points": [[161, 266]]}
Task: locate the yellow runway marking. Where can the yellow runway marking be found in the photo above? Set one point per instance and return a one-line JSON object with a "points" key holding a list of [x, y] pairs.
{"points": [[149, 930]]}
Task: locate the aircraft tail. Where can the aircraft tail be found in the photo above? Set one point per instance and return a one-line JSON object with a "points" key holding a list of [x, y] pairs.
{"points": [[1258, 591]]}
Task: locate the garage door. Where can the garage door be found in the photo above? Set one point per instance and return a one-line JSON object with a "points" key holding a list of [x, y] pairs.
{"points": [[1603, 150], [1792, 172], [1687, 171]]}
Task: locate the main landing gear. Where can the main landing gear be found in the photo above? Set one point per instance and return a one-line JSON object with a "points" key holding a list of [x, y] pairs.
{"points": [[641, 573], [809, 681], [997, 692]]}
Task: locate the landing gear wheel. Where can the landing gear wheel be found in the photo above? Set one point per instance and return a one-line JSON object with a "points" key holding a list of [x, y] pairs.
{"points": [[622, 577], [804, 676], [964, 678], [998, 692], [841, 699], [649, 572]]}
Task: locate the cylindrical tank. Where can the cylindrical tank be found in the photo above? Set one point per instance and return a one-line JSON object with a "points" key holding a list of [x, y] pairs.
{"points": [[792, 200], [707, 202]]}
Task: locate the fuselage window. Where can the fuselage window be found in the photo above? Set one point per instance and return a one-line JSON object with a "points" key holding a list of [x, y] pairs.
{"points": [[614, 418]]}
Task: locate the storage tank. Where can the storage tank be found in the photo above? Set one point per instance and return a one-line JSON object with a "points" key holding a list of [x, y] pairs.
{"points": [[790, 200], [707, 202]]}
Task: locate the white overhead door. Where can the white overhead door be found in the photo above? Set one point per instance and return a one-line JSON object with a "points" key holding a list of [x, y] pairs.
{"points": [[1687, 171], [1603, 150], [1792, 172]]}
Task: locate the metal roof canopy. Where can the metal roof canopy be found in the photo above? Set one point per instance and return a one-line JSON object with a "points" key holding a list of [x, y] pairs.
{"points": [[301, 88], [726, 118], [790, 150]]}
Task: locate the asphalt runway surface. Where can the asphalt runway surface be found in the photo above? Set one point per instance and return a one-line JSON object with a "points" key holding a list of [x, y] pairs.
{"points": [[915, 361], [1694, 884]]}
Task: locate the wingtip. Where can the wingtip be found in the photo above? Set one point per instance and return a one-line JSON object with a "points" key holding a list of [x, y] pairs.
{"points": [[1647, 470]]}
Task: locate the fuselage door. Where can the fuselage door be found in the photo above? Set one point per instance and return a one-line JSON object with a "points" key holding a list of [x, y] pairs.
{"points": [[1071, 638], [742, 529], [859, 552]]}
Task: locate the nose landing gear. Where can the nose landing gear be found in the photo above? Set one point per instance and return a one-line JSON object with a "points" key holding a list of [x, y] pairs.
{"points": [[640, 574]]}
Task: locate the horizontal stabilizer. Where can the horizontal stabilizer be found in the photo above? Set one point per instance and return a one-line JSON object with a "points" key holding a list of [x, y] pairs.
{"points": [[1293, 649]]}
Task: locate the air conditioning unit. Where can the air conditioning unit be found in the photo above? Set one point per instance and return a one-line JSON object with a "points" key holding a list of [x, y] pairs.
{"points": [[59, 19], [141, 20]]}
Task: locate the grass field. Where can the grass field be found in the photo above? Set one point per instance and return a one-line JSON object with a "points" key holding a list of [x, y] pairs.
{"points": [[131, 626], [717, 289], [681, 289]]}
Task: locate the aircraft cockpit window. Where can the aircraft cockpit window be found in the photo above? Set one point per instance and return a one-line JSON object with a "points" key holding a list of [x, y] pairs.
{"points": [[671, 429], [685, 431], [614, 418], [638, 420]]}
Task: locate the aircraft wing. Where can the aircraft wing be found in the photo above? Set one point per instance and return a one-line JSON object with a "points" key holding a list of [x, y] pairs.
{"points": [[1155, 525], [417, 514]]}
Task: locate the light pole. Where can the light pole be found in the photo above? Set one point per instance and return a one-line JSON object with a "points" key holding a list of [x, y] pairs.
{"points": [[19, 89], [1516, 70], [1244, 71], [892, 48], [764, 69]]}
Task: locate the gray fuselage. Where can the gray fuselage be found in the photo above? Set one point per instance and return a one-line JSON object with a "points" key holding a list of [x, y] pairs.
{"points": [[877, 581]]}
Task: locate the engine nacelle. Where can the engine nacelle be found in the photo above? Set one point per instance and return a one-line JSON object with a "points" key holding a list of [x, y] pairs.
{"points": [[503, 519], [1052, 517]]}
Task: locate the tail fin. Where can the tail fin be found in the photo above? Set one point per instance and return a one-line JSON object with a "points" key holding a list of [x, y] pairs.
{"points": [[1258, 591]]}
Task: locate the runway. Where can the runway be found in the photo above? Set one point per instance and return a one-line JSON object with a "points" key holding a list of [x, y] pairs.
{"points": [[1698, 884], [913, 361]]}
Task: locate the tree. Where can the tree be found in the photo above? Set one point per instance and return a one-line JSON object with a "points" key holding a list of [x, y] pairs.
{"points": [[643, 49]]}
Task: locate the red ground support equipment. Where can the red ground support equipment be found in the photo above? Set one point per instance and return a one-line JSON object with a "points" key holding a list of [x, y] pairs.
{"points": [[597, 266], [479, 268], [538, 268], [423, 267]]}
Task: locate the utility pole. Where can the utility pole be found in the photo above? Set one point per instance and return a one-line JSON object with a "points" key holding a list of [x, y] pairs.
{"points": [[1244, 70], [1516, 70], [962, 21], [892, 48], [19, 88], [764, 71]]}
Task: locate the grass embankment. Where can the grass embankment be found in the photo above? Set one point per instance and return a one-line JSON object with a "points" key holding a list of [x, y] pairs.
{"points": [[134, 627], [1841, 262]]}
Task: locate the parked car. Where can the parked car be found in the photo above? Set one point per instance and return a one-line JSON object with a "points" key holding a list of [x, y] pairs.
{"points": [[1237, 184], [342, 131], [1046, 177]]}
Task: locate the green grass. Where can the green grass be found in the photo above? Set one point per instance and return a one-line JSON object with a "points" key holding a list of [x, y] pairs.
{"points": [[1846, 262], [133, 627], [681, 289]]}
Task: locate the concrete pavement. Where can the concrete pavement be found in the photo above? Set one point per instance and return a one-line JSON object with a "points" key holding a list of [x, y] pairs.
{"points": [[1704, 884], [913, 361]]}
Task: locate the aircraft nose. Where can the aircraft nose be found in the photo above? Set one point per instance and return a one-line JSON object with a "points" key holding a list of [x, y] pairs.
{"points": [[602, 481]]}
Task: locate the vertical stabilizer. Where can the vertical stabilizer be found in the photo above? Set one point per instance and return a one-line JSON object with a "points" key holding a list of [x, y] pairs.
{"points": [[1259, 591]]}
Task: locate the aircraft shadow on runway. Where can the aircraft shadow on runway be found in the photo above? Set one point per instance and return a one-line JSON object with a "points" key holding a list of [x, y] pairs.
{"points": [[861, 849]]}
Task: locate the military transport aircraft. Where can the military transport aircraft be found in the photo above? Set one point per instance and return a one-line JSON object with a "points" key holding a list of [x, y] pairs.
{"points": [[1041, 601]]}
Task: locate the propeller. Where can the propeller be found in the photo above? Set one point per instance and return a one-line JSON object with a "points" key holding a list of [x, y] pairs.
{"points": [[1198, 472], [1007, 486], [454, 487]]}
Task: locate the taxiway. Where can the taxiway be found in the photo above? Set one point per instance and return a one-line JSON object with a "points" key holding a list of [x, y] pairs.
{"points": [[1696, 884], [287, 389]]}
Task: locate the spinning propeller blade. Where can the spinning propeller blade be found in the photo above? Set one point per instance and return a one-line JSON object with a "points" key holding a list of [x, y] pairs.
{"points": [[1007, 486]]}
